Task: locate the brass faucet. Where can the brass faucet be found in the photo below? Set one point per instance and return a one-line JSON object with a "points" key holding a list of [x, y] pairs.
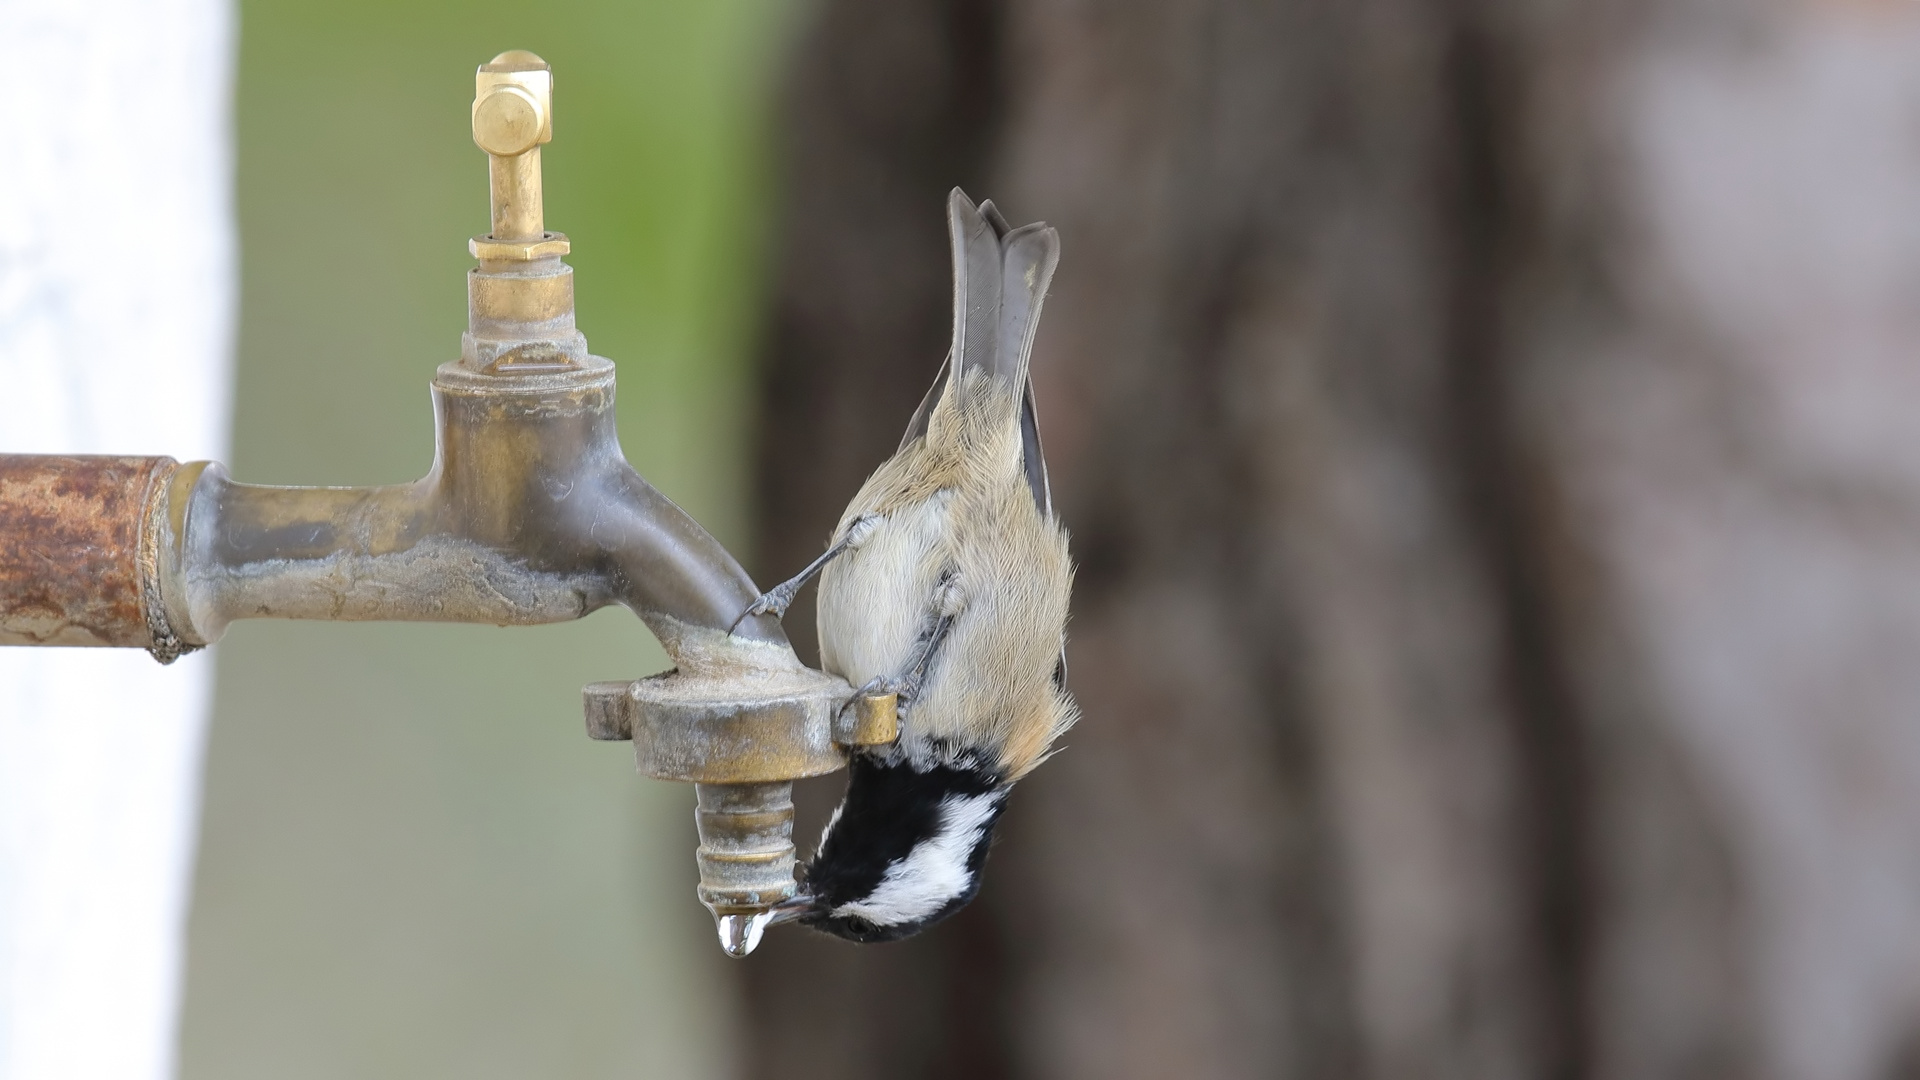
{"points": [[529, 515]]}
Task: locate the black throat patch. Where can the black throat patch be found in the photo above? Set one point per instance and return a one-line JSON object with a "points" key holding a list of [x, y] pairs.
{"points": [[889, 809]]}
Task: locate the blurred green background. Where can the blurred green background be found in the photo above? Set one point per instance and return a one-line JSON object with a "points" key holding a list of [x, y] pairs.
{"points": [[413, 862]]}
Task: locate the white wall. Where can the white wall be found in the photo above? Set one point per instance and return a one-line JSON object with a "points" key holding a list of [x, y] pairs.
{"points": [[116, 321]]}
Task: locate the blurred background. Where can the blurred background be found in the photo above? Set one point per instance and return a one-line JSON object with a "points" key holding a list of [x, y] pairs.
{"points": [[1487, 434]]}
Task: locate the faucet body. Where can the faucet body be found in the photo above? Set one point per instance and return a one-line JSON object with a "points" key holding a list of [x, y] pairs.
{"points": [[530, 514]]}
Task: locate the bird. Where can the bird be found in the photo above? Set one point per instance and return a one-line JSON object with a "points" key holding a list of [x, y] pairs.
{"points": [[946, 582]]}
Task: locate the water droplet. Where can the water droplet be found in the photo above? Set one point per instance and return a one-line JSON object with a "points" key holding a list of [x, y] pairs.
{"points": [[740, 934]]}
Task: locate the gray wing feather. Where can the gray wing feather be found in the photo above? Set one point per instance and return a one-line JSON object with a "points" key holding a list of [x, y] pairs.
{"points": [[917, 427], [1032, 456]]}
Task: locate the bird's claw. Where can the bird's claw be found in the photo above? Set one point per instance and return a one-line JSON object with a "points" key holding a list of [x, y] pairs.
{"points": [[881, 684], [877, 686], [774, 602]]}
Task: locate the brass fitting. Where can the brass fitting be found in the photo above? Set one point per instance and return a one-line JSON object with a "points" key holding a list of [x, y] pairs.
{"points": [[868, 720], [743, 733], [742, 736], [512, 119], [520, 298]]}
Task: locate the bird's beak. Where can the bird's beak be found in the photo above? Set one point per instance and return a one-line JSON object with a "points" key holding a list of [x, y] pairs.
{"points": [[791, 909], [740, 933]]}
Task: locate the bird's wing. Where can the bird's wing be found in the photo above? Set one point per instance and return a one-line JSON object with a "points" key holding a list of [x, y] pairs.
{"points": [[1032, 457], [917, 427]]}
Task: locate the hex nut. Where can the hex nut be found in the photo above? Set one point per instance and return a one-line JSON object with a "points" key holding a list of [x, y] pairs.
{"points": [[488, 249]]}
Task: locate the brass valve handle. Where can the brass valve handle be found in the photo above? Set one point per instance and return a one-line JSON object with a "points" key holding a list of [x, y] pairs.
{"points": [[512, 118], [520, 315]]}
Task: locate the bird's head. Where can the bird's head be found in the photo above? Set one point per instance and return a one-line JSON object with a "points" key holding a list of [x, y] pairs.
{"points": [[904, 849]]}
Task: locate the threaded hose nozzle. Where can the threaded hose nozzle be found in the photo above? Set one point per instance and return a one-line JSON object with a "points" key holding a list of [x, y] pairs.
{"points": [[746, 855]]}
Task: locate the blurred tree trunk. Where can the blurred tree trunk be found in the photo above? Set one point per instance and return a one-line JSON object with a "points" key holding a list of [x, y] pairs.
{"points": [[1369, 386]]}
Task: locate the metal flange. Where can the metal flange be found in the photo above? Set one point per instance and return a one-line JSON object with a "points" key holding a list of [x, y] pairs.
{"points": [[738, 728]]}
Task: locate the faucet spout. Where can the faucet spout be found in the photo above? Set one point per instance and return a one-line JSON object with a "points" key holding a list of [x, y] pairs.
{"points": [[529, 515]]}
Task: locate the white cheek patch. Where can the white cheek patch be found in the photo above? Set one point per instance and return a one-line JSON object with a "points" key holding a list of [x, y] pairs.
{"points": [[934, 873]]}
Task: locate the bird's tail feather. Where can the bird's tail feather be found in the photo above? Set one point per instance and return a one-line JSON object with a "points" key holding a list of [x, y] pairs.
{"points": [[1000, 278]]}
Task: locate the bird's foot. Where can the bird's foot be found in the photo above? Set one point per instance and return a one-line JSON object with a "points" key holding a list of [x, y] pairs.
{"points": [[881, 684], [774, 602], [878, 685]]}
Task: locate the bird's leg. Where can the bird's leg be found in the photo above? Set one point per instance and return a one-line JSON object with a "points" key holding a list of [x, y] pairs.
{"points": [[909, 687], [947, 602], [776, 600], [906, 687]]}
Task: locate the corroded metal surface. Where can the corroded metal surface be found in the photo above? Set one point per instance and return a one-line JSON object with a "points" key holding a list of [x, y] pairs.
{"points": [[609, 708], [529, 515], [71, 564], [520, 314]]}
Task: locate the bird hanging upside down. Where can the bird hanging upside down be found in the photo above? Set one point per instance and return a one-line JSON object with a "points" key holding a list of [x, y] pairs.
{"points": [[946, 582]]}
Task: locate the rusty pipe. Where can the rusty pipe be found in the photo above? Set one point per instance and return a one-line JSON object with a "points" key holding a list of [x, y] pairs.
{"points": [[78, 551]]}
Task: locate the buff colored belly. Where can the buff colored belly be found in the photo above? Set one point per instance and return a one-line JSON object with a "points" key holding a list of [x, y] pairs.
{"points": [[874, 600]]}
